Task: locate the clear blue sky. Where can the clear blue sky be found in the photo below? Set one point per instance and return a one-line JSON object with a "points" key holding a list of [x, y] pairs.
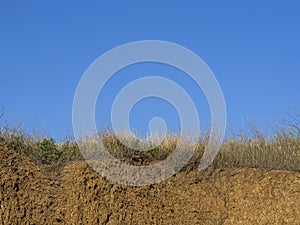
{"points": [[252, 47]]}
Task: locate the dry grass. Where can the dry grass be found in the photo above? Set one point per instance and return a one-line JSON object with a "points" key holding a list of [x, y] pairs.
{"points": [[249, 148]]}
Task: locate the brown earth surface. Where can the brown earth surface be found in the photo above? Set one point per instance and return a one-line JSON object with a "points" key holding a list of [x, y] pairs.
{"points": [[78, 195]]}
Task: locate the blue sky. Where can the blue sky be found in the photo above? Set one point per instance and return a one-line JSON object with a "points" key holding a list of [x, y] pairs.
{"points": [[252, 47]]}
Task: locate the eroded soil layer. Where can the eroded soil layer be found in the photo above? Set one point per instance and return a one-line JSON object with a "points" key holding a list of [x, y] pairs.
{"points": [[78, 195]]}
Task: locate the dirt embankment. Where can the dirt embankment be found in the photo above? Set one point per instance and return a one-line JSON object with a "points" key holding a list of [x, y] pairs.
{"points": [[78, 195], [26, 195]]}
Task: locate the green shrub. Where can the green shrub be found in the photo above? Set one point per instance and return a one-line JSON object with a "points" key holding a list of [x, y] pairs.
{"points": [[46, 152]]}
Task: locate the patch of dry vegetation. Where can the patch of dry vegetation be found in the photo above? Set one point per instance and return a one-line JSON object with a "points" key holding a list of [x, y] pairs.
{"points": [[249, 148]]}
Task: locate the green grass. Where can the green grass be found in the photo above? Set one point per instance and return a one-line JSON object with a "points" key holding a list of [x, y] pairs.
{"points": [[249, 148]]}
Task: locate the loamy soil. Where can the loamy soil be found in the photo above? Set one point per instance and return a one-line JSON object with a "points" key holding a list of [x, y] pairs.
{"points": [[78, 195]]}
